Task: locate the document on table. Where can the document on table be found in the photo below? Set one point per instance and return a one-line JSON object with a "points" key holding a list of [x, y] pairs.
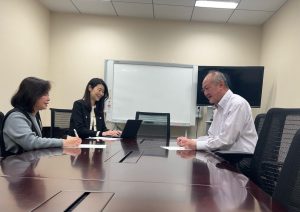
{"points": [[174, 148], [105, 138], [90, 146]]}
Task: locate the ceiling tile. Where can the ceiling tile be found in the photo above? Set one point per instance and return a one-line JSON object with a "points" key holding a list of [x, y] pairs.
{"points": [[95, 7], [211, 15], [134, 9], [249, 17], [264, 5], [172, 12], [253, 12], [134, 1], [60, 5], [189, 3]]}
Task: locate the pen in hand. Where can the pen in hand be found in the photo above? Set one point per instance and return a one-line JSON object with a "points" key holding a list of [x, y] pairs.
{"points": [[76, 134], [71, 142]]}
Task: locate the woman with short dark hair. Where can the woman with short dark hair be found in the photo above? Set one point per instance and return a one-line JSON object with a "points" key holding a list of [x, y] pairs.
{"points": [[88, 113], [22, 125]]}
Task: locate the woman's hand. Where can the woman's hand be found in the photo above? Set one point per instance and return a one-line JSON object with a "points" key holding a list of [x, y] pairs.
{"points": [[112, 133], [72, 151], [72, 141]]}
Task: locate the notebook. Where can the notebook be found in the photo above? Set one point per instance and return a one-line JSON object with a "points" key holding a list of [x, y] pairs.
{"points": [[131, 129]]}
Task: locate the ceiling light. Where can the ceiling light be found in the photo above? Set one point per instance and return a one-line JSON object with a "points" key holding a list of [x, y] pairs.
{"points": [[217, 4]]}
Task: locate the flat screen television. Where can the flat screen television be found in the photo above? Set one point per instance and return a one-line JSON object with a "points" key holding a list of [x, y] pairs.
{"points": [[246, 81]]}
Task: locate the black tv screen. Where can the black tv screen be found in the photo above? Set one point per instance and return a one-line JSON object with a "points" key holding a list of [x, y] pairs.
{"points": [[246, 81]]}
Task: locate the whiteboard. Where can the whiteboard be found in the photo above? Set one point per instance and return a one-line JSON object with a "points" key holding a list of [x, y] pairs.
{"points": [[151, 87]]}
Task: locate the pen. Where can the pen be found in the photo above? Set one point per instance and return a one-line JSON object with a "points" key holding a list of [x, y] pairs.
{"points": [[76, 133]]}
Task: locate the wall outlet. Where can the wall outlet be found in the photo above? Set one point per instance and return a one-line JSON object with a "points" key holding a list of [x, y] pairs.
{"points": [[198, 112]]}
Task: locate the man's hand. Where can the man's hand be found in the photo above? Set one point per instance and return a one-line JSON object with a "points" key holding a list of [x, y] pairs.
{"points": [[186, 154], [186, 143]]}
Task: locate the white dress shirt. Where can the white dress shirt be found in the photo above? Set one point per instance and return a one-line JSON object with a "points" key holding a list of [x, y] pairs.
{"points": [[232, 127], [93, 123], [93, 119]]}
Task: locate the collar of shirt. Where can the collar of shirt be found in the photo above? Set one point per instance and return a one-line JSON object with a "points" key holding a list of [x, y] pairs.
{"points": [[222, 103]]}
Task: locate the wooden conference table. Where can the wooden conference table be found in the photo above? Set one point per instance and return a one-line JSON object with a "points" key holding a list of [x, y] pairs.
{"points": [[131, 175]]}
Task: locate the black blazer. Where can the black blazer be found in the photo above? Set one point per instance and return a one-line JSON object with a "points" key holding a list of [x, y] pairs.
{"points": [[80, 120]]}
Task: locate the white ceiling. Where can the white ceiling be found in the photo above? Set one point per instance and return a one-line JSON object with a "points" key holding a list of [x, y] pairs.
{"points": [[253, 12]]}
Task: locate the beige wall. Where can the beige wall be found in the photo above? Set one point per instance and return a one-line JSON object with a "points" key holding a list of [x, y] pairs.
{"points": [[24, 45], [280, 55], [80, 44], [70, 49]]}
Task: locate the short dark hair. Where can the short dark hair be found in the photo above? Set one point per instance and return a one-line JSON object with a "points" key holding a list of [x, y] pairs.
{"points": [[87, 97], [30, 90]]}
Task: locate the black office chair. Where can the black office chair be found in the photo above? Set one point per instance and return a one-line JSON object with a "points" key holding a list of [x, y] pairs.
{"points": [[1, 128], [156, 125], [244, 164], [1, 119], [273, 144], [60, 122], [259, 121], [287, 190]]}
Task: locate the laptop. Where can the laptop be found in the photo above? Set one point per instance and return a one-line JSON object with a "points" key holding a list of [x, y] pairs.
{"points": [[130, 130]]}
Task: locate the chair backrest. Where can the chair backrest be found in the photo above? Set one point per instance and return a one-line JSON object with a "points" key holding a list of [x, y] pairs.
{"points": [[259, 121], [154, 124], [1, 119], [1, 128], [60, 122], [273, 143], [287, 191]]}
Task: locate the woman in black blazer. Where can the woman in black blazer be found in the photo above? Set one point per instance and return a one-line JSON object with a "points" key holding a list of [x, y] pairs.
{"points": [[88, 113]]}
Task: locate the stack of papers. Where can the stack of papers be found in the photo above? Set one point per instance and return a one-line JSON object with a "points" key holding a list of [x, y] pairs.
{"points": [[104, 138], [174, 148], [95, 146]]}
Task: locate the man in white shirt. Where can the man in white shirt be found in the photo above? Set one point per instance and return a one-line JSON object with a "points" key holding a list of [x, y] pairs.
{"points": [[232, 127]]}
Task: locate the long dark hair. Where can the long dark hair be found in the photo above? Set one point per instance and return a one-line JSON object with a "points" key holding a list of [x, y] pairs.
{"points": [[87, 97], [30, 90]]}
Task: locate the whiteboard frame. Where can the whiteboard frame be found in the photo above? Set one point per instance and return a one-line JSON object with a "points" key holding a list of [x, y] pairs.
{"points": [[109, 79]]}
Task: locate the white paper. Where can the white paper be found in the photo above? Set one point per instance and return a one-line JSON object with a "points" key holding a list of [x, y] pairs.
{"points": [[96, 146], [174, 148], [105, 138]]}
